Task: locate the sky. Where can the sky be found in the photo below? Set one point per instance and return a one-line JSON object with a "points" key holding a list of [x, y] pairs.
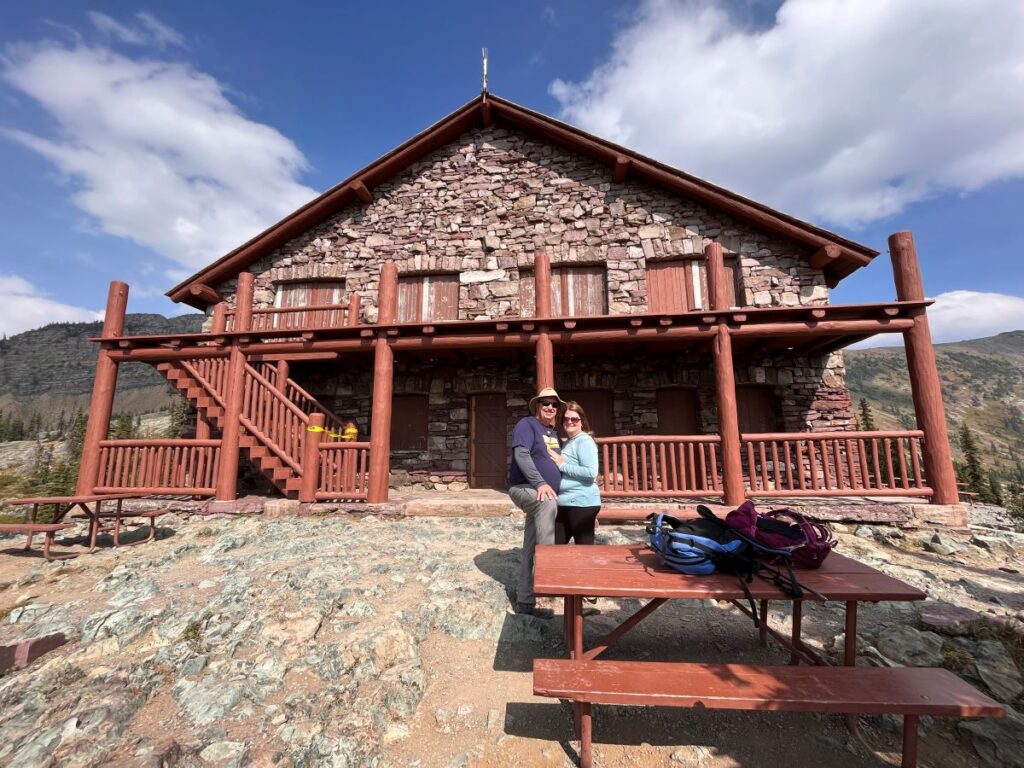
{"points": [[140, 142]]}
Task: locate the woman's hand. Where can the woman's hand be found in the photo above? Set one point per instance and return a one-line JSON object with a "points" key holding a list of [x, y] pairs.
{"points": [[556, 457]]}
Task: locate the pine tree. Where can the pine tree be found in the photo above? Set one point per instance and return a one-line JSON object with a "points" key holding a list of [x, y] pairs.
{"points": [[973, 475], [994, 494], [178, 413], [867, 419]]}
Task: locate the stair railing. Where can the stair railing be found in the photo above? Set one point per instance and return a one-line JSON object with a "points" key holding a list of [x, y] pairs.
{"points": [[273, 419]]}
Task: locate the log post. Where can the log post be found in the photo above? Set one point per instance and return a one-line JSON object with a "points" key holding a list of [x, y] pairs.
{"points": [[718, 294], [231, 427], [354, 305], [311, 457], [220, 318], [283, 372], [728, 418], [924, 373], [387, 294], [545, 352], [103, 388], [380, 421]]}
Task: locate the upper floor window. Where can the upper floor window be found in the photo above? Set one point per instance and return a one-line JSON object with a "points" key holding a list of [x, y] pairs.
{"points": [[422, 298], [576, 290], [309, 293], [682, 285]]}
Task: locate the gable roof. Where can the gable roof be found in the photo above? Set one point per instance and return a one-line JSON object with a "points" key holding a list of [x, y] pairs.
{"points": [[835, 255]]}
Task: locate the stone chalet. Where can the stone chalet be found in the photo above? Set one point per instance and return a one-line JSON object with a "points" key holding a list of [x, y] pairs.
{"points": [[428, 297]]}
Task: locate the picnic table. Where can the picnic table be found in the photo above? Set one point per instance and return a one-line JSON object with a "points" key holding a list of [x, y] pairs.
{"points": [[635, 571], [91, 507]]}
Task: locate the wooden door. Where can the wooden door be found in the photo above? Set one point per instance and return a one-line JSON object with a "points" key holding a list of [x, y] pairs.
{"points": [[678, 411], [599, 407], [757, 408], [488, 431]]}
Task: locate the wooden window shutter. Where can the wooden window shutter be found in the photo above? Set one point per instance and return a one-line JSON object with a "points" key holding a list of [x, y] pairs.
{"points": [[757, 408], [308, 293], [410, 298], [527, 294], [676, 286], [409, 417], [578, 291], [678, 411], [422, 298]]}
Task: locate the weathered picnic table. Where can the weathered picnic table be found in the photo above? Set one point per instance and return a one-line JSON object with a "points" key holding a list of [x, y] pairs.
{"points": [[635, 571], [90, 505]]}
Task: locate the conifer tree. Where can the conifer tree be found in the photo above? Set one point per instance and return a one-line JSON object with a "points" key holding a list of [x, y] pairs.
{"points": [[973, 475], [867, 418]]}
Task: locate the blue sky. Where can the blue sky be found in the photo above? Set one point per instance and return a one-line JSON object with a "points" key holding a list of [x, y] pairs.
{"points": [[140, 142]]}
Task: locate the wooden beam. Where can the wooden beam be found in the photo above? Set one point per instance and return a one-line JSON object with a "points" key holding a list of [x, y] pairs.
{"points": [[824, 256], [486, 114], [622, 166], [363, 194], [204, 293]]}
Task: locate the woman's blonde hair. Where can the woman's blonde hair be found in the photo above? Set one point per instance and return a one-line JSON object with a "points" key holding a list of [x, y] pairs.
{"points": [[572, 405]]}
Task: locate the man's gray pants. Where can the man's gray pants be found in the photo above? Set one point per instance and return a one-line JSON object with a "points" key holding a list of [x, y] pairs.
{"points": [[539, 529]]}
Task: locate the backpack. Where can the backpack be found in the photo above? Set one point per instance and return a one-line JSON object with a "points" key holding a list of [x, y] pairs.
{"points": [[808, 543], [705, 545]]}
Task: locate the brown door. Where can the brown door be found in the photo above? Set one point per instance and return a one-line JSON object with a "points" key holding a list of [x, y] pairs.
{"points": [[678, 412], [488, 457], [599, 407], [758, 409]]}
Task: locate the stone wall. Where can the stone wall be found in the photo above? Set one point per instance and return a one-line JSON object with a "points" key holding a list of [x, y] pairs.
{"points": [[484, 205]]}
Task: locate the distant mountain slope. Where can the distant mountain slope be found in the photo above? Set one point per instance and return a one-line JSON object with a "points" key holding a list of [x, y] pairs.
{"points": [[982, 385], [50, 369]]}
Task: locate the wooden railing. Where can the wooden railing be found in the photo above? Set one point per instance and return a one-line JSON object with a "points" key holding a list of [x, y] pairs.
{"points": [[158, 466], [300, 318], [658, 466], [211, 373], [301, 398], [273, 419], [344, 471], [834, 464]]}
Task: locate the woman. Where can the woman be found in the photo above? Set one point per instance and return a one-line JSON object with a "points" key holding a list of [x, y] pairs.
{"points": [[579, 500]]}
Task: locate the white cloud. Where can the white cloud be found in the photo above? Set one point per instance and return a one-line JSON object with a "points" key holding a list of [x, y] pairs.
{"points": [[23, 307], [148, 31], [840, 111], [153, 150], [961, 315]]}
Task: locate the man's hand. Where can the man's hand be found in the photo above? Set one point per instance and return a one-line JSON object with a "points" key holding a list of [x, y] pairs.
{"points": [[545, 492], [556, 457]]}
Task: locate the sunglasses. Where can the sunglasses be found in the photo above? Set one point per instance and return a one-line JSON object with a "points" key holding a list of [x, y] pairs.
{"points": [[571, 420], [548, 403]]}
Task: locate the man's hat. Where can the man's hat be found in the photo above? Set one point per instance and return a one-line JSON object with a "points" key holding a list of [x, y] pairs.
{"points": [[546, 392]]}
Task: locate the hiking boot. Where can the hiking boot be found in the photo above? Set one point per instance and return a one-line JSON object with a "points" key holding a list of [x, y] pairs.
{"points": [[531, 609]]}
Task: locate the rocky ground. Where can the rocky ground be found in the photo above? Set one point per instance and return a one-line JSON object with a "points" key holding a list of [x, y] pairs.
{"points": [[368, 641]]}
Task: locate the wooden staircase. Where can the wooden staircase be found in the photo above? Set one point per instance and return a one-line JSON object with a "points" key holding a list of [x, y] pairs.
{"points": [[274, 418]]}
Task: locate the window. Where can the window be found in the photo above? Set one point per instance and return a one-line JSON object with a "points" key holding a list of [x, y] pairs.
{"points": [[308, 293], [682, 285], [575, 291], [422, 298], [678, 411], [599, 407], [409, 423]]}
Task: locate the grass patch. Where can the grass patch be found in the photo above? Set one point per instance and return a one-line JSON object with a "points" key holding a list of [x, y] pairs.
{"points": [[193, 632], [1012, 640], [955, 658]]}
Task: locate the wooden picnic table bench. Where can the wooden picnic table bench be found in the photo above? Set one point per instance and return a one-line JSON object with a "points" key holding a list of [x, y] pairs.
{"points": [[907, 691], [49, 530], [635, 571], [126, 514], [91, 507]]}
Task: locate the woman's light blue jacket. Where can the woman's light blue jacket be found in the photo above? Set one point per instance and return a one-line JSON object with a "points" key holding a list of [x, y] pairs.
{"points": [[579, 473]]}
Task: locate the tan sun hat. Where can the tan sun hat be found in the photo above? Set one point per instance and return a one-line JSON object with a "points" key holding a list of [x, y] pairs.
{"points": [[546, 392]]}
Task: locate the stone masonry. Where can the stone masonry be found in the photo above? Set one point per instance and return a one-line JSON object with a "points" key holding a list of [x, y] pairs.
{"points": [[483, 207]]}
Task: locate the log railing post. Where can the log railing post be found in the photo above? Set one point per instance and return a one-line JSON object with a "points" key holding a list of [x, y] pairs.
{"points": [[725, 383], [924, 373], [283, 372], [545, 353], [231, 427], [353, 310], [103, 388], [311, 457], [220, 318], [383, 387]]}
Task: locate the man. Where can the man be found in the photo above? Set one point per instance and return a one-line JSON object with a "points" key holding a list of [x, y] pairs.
{"points": [[534, 480]]}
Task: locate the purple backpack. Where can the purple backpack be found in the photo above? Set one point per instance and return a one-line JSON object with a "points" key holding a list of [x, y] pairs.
{"points": [[809, 543]]}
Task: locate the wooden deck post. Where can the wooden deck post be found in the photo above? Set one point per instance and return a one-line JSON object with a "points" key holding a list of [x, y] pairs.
{"points": [[283, 372], [311, 457], [103, 388], [924, 373], [220, 318], [231, 428], [383, 386], [733, 492], [354, 305], [542, 309]]}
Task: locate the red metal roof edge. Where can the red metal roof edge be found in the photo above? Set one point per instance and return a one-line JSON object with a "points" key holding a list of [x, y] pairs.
{"points": [[422, 143]]}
